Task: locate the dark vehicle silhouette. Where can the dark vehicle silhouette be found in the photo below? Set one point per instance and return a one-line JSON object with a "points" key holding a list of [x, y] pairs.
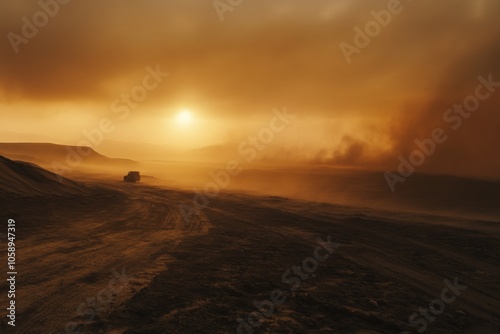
{"points": [[132, 176]]}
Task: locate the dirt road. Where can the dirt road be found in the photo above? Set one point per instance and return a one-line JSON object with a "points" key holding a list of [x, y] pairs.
{"points": [[80, 257], [212, 275]]}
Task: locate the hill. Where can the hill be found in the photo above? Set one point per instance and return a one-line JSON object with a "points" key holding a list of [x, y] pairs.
{"points": [[45, 154], [22, 179]]}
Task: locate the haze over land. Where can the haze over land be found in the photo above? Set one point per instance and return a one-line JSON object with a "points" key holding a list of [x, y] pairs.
{"points": [[103, 256]]}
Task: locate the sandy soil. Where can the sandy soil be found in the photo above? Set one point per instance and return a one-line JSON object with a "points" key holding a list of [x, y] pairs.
{"points": [[204, 276]]}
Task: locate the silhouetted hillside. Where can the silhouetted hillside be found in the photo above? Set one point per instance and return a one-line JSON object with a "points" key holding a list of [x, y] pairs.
{"points": [[46, 154], [22, 179]]}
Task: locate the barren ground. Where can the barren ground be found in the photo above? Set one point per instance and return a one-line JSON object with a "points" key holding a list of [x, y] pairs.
{"points": [[204, 276]]}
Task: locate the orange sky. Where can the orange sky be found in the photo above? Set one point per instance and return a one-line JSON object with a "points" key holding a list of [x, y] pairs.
{"points": [[231, 74]]}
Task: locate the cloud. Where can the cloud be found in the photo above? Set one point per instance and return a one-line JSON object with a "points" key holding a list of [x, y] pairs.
{"points": [[266, 55]]}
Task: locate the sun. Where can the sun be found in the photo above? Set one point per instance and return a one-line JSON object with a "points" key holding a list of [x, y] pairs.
{"points": [[185, 116]]}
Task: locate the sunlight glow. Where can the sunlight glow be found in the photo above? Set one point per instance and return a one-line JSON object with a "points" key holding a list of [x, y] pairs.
{"points": [[184, 117]]}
